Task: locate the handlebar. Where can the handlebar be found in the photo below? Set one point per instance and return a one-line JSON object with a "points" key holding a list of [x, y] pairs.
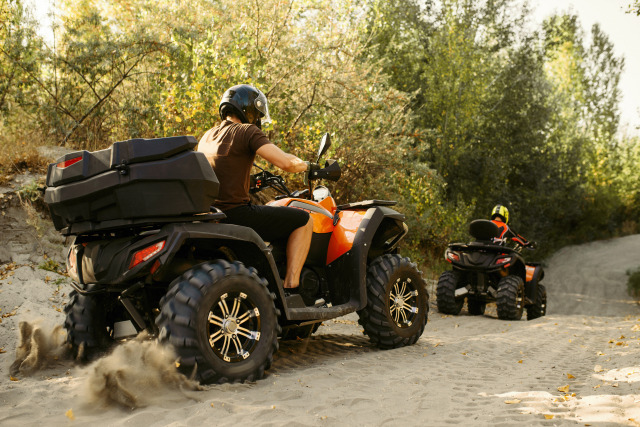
{"points": [[266, 179]]}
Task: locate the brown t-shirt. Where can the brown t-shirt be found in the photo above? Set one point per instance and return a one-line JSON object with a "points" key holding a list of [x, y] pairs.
{"points": [[231, 148]]}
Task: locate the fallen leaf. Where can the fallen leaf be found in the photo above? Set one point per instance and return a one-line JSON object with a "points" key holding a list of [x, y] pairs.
{"points": [[2, 350], [598, 368], [614, 385], [548, 416], [564, 389], [12, 378], [619, 343], [511, 402], [570, 376], [69, 414], [621, 337], [520, 361], [212, 405]]}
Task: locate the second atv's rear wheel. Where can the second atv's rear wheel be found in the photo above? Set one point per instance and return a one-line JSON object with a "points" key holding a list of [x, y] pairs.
{"points": [[475, 306], [446, 293], [510, 298], [397, 302], [538, 309], [222, 321]]}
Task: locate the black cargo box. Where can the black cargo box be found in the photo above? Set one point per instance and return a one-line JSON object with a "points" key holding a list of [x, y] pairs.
{"points": [[132, 180]]}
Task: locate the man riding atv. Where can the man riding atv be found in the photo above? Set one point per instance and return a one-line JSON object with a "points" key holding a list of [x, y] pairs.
{"points": [[489, 270], [500, 217], [231, 148], [187, 274]]}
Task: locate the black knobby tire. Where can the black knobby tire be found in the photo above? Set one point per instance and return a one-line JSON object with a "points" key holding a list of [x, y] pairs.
{"points": [[397, 302], [302, 332], [87, 324], [538, 309], [446, 293], [475, 306], [222, 321], [510, 298]]}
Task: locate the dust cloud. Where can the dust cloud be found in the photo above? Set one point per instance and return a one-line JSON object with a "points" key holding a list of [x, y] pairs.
{"points": [[136, 374], [39, 347]]}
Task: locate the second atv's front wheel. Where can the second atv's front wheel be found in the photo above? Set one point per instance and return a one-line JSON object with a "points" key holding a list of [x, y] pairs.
{"points": [[510, 298], [222, 321], [397, 302]]}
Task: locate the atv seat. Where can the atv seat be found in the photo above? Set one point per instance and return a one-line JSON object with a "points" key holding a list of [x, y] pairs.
{"points": [[483, 230]]}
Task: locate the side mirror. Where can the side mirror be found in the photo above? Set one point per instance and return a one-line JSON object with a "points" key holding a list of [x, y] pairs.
{"points": [[325, 143]]}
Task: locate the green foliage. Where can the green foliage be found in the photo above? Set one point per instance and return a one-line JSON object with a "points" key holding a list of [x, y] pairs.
{"points": [[448, 107], [633, 283], [30, 192], [51, 265]]}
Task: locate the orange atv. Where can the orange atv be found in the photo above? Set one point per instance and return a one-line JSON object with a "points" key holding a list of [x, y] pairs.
{"points": [[214, 290], [484, 271]]}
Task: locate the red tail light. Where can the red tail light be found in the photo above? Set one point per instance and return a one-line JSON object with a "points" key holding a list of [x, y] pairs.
{"points": [[146, 253], [452, 256], [503, 260], [69, 162]]}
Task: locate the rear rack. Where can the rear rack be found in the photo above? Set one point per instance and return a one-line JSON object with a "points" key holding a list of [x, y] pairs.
{"points": [[90, 227]]}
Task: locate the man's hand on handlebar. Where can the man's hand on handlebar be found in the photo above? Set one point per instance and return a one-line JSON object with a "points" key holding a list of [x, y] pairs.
{"points": [[310, 172]]}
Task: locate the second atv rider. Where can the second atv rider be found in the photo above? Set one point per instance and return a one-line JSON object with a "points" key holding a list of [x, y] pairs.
{"points": [[500, 217], [231, 147]]}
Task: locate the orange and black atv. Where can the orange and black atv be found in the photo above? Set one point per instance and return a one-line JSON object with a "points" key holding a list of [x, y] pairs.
{"points": [[148, 253], [484, 271]]}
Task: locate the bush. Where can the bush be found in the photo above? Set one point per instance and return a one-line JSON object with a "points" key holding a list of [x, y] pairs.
{"points": [[633, 284]]}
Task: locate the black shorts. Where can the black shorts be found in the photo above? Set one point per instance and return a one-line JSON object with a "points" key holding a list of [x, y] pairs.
{"points": [[272, 223]]}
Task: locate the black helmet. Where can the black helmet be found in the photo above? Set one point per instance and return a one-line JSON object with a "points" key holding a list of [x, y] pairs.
{"points": [[246, 102]]}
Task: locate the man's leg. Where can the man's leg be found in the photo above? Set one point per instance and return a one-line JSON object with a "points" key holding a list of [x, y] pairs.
{"points": [[297, 251]]}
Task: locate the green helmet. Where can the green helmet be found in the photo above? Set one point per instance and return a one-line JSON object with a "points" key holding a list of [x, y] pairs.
{"points": [[501, 212]]}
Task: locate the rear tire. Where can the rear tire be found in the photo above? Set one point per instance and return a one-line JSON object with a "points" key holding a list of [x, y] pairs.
{"points": [[510, 298], [446, 293], [475, 306], [538, 309], [89, 324], [222, 321], [397, 302]]}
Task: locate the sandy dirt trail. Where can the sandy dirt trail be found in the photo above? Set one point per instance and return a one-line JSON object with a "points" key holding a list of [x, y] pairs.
{"points": [[579, 365]]}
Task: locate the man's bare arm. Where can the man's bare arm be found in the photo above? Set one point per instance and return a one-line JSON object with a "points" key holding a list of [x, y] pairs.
{"points": [[285, 161]]}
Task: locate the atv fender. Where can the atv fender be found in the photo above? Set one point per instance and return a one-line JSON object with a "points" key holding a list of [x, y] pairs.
{"points": [[380, 231], [531, 286]]}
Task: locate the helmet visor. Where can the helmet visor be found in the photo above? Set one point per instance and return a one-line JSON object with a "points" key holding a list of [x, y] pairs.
{"points": [[263, 107]]}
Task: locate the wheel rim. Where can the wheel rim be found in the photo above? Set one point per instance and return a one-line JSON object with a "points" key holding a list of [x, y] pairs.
{"points": [[234, 327], [403, 302]]}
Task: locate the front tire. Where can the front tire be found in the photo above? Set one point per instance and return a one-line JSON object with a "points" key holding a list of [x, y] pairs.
{"points": [[510, 298], [538, 309], [446, 293], [397, 302], [222, 321]]}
